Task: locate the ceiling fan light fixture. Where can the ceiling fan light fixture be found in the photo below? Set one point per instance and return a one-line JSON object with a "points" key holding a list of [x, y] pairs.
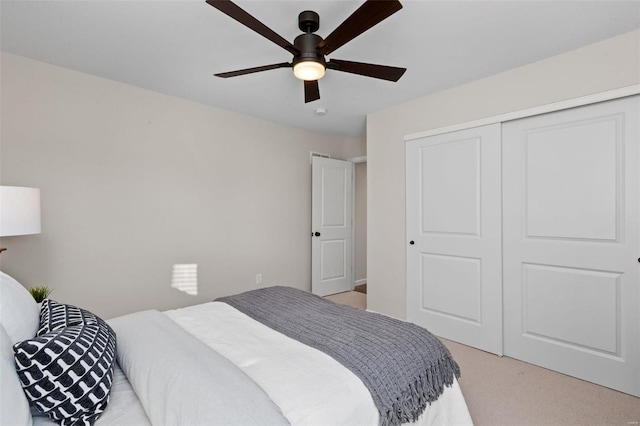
{"points": [[309, 70], [309, 50]]}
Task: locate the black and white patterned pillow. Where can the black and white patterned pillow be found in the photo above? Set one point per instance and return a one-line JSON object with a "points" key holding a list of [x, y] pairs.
{"points": [[67, 372], [55, 316]]}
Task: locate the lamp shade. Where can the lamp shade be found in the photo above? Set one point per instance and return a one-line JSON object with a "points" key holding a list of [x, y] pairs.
{"points": [[19, 211]]}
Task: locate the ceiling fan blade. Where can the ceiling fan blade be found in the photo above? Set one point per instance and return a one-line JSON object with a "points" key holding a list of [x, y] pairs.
{"points": [[372, 12], [383, 72], [234, 11], [252, 70], [311, 91]]}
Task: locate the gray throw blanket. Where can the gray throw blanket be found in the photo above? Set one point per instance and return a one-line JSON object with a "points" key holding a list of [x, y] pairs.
{"points": [[403, 365]]}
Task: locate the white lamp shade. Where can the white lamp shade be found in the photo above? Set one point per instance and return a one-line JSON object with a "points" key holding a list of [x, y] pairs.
{"points": [[19, 211]]}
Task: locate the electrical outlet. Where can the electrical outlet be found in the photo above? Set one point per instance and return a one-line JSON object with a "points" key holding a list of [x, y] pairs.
{"points": [[258, 278]]}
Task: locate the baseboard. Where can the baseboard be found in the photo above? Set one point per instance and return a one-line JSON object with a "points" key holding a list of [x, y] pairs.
{"points": [[358, 282]]}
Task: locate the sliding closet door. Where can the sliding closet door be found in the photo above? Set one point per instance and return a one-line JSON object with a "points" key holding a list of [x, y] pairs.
{"points": [[571, 242], [453, 236]]}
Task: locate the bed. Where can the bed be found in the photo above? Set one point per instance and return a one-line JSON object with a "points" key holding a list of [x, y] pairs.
{"points": [[212, 363]]}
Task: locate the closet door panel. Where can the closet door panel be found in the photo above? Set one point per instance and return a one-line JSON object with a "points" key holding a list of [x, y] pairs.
{"points": [[454, 208], [453, 220], [571, 242]]}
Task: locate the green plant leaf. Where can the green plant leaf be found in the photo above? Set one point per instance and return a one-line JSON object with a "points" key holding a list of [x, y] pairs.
{"points": [[40, 293]]}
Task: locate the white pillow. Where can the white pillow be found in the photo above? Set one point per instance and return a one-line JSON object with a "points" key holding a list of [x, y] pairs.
{"points": [[14, 408], [19, 312]]}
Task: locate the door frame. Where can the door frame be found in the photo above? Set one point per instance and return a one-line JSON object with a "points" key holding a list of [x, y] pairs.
{"points": [[354, 160]]}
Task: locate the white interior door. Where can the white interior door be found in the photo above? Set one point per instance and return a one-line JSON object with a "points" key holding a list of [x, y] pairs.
{"points": [[331, 226], [454, 281], [571, 242]]}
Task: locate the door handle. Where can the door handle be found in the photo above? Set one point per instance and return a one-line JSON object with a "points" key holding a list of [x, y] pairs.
{"points": [[317, 234], [411, 242]]}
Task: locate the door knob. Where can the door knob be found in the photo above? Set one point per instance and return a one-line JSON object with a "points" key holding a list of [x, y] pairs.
{"points": [[411, 242], [317, 234]]}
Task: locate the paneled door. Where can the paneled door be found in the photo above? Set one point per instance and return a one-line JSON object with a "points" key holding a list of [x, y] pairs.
{"points": [[454, 281], [571, 242], [331, 226]]}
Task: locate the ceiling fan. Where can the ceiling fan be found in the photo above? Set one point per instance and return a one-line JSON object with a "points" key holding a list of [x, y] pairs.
{"points": [[309, 49]]}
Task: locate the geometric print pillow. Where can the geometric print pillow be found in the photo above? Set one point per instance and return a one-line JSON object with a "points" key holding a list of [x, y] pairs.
{"points": [[67, 373], [54, 316]]}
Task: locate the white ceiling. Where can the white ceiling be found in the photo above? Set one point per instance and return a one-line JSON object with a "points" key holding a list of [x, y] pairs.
{"points": [[174, 47]]}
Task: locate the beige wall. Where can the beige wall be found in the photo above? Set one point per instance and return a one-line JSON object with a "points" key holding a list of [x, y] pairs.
{"points": [[361, 220], [133, 182], [599, 67]]}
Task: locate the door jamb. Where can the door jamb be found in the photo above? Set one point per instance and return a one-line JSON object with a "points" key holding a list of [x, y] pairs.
{"points": [[354, 160]]}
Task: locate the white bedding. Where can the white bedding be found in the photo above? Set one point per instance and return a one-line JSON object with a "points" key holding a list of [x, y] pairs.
{"points": [[124, 409], [310, 387], [180, 381]]}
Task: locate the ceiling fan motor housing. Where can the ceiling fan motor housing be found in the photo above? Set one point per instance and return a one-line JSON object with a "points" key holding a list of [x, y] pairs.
{"points": [[306, 44]]}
